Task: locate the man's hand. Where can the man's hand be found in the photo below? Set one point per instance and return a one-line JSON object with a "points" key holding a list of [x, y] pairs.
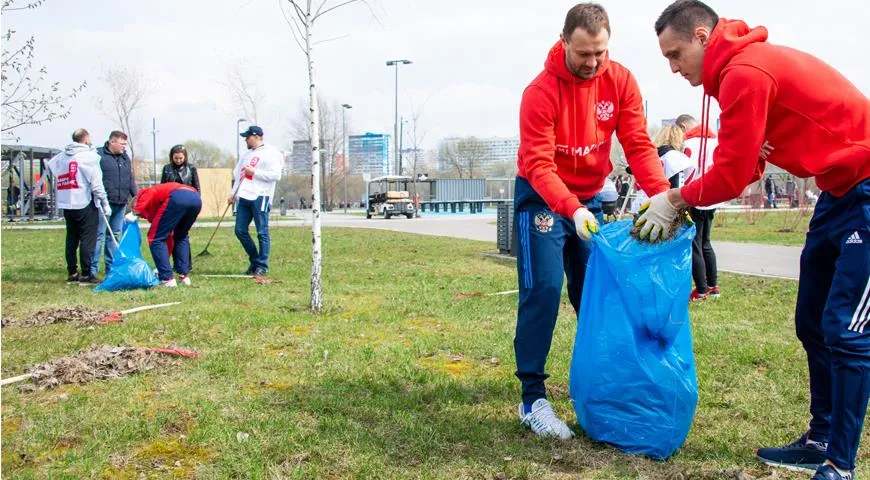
{"points": [[231, 200], [105, 207], [585, 223], [248, 171], [657, 216], [130, 217]]}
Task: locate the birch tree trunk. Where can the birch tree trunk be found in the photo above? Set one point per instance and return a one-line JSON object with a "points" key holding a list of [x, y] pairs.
{"points": [[316, 303]]}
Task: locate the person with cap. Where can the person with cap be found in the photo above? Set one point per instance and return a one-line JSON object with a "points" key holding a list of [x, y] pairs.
{"points": [[254, 177], [81, 196], [172, 209]]}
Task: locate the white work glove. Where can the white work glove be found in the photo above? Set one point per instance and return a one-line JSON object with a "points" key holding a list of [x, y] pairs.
{"points": [[656, 217], [585, 223], [130, 217], [105, 207]]}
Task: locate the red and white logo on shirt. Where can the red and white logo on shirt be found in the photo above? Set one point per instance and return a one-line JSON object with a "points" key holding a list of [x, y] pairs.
{"points": [[68, 181], [604, 110]]}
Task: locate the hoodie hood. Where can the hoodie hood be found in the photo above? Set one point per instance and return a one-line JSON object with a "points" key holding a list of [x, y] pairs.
{"points": [[74, 148], [699, 131], [728, 38], [555, 64]]}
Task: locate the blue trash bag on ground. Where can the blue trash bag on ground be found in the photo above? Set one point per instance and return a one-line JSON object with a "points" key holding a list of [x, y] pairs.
{"points": [[129, 269], [632, 379]]}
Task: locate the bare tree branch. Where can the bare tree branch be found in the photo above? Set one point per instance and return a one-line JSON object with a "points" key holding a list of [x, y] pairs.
{"points": [[128, 92], [26, 99], [319, 13]]}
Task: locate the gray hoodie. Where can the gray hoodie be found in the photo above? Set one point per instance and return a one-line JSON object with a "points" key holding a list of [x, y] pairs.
{"points": [[79, 177]]}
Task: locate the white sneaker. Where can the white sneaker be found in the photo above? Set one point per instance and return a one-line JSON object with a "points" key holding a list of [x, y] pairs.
{"points": [[185, 280], [169, 283], [543, 421]]}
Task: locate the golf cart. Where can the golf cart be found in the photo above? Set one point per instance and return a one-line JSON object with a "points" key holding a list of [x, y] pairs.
{"points": [[388, 196]]}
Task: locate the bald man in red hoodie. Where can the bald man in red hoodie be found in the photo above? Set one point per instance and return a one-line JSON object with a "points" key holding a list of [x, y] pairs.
{"points": [[567, 118], [786, 107]]}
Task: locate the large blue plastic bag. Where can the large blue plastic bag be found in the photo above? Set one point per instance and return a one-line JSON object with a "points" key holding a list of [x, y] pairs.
{"points": [[129, 269], [632, 377]]}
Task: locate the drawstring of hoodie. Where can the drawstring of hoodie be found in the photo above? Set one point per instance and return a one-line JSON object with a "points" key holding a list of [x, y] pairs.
{"points": [[705, 128], [574, 122]]}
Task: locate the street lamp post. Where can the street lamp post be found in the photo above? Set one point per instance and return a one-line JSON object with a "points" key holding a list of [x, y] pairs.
{"points": [[344, 158], [396, 63], [238, 150]]}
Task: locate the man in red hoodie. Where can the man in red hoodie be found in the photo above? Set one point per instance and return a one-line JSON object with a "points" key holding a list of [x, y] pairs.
{"points": [[786, 107], [568, 115], [172, 209]]}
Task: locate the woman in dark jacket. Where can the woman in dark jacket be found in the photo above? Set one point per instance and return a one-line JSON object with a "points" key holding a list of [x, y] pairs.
{"points": [[178, 170]]}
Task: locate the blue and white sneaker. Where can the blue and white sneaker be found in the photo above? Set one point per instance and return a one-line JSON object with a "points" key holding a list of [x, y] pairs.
{"points": [[543, 420], [828, 472], [802, 455]]}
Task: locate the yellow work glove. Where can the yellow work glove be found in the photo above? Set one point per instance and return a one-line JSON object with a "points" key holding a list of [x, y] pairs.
{"points": [[585, 223]]}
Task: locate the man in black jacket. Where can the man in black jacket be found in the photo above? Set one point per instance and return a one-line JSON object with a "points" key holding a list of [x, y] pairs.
{"points": [[120, 187]]}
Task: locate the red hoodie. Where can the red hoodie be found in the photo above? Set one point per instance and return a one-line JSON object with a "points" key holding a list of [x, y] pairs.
{"points": [[566, 125], [782, 106], [151, 203]]}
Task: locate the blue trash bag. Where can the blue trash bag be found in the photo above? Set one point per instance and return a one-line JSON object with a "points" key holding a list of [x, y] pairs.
{"points": [[129, 269], [632, 377]]}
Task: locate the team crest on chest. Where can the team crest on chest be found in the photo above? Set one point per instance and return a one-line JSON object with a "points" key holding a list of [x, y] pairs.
{"points": [[544, 222], [604, 110]]}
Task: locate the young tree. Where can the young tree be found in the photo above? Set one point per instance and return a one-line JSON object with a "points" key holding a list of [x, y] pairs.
{"points": [[464, 156], [245, 93], [302, 17], [128, 93], [27, 96]]}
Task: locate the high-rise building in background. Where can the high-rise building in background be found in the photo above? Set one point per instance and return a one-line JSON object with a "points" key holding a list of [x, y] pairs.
{"points": [[300, 158], [371, 153], [499, 150]]}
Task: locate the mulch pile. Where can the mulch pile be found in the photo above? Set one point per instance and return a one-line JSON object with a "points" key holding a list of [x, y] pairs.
{"points": [[103, 362], [80, 315]]}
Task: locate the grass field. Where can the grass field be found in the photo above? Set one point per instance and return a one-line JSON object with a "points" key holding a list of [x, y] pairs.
{"points": [[399, 378], [771, 227]]}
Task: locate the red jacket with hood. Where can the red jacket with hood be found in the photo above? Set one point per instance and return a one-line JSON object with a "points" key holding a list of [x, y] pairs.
{"points": [[151, 203], [566, 125], [782, 106]]}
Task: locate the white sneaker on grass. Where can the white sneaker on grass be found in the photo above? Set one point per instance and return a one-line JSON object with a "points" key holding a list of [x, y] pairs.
{"points": [[543, 421], [185, 280], [169, 283]]}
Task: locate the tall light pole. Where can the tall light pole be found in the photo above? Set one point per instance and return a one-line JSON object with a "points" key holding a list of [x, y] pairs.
{"points": [[238, 136], [344, 158], [154, 145], [396, 63]]}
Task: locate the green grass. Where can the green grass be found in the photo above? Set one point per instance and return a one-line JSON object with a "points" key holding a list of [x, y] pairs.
{"points": [[397, 379], [770, 227]]}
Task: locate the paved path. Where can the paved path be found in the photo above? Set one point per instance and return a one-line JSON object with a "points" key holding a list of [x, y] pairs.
{"points": [[745, 258]]}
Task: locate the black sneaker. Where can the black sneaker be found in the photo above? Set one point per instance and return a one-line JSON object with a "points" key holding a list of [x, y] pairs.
{"points": [[249, 271], [827, 472], [800, 455], [260, 272], [89, 280], [73, 277]]}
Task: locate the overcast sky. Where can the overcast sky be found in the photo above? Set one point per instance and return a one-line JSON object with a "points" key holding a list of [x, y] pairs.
{"points": [[472, 59]]}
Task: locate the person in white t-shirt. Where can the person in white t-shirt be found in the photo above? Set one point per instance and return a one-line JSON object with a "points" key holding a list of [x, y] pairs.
{"points": [[704, 271], [258, 170]]}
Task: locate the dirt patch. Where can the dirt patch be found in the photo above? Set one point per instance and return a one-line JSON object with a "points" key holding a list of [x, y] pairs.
{"points": [[103, 362], [80, 315]]}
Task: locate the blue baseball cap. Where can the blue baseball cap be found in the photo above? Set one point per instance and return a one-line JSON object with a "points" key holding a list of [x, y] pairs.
{"points": [[253, 130]]}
